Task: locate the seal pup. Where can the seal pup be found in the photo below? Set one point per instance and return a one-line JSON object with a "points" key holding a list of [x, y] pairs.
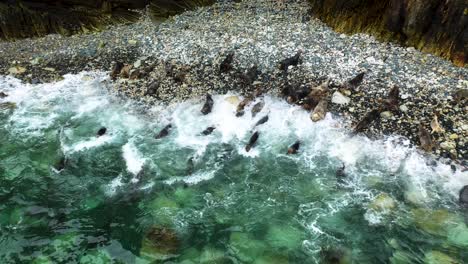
{"points": [[425, 138], [294, 147], [208, 131], [101, 131], [208, 106], [253, 139], [261, 121], [257, 108], [226, 64], [164, 132], [291, 61]]}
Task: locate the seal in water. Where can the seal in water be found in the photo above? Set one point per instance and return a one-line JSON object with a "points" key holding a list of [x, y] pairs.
{"points": [[464, 196], [164, 132], [240, 107], [257, 108], [60, 165], [252, 141], [292, 61], [206, 109], [294, 147], [226, 64], [208, 131], [101, 131], [3, 95], [262, 120], [340, 172]]}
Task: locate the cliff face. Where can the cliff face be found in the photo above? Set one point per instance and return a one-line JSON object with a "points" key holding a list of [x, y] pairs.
{"points": [[435, 26]]}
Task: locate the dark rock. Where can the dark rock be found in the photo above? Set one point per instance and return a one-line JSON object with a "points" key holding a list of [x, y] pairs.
{"points": [[262, 120], [253, 139], [208, 106], [164, 132], [368, 119], [226, 64], [101, 131], [3, 95], [294, 147], [208, 131], [292, 61], [463, 197]]}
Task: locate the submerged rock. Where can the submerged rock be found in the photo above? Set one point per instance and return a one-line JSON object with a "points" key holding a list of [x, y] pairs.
{"points": [[159, 243], [435, 222], [437, 257]]}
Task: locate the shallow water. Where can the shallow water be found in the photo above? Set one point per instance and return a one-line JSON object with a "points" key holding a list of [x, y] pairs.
{"points": [[127, 197]]}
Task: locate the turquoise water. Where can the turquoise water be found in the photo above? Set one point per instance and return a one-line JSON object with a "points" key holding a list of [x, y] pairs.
{"points": [[126, 197]]}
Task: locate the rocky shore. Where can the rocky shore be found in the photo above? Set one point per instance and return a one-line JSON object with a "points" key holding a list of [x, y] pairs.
{"points": [[190, 55]]}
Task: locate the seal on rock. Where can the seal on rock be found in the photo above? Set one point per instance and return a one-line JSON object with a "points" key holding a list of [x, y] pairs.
{"points": [[101, 131], [425, 138], [206, 109], [240, 107], [164, 132], [292, 61], [226, 64], [368, 119], [356, 81], [253, 139], [294, 147], [116, 69], [257, 108], [319, 111]]}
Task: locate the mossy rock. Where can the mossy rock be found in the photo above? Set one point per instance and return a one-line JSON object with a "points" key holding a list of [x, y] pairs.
{"points": [[64, 245], [159, 243], [163, 209], [286, 238], [401, 257], [437, 257], [383, 203], [211, 255], [96, 257], [435, 222], [42, 260], [459, 236], [271, 259]]}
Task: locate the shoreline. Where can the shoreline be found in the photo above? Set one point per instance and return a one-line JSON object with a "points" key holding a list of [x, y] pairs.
{"points": [[180, 59]]}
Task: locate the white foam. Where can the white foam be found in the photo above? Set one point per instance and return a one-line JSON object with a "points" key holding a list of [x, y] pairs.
{"points": [[88, 144], [133, 158]]}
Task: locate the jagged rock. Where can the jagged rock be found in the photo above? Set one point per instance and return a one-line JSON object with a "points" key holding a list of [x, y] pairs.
{"points": [[339, 98]]}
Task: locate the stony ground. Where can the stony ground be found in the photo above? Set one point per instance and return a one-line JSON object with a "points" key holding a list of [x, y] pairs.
{"points": [[180, 59]]}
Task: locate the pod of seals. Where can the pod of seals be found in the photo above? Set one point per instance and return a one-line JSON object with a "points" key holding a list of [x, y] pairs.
{"points": [[208, 131], [208, 106], [294, 147], [253, 139], [101, 131], [164, 132], [463, 196]]}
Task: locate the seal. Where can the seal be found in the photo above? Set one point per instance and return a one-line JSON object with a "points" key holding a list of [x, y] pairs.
{"points": [[226, 64], [463, 196], [240, 107], [116, 69], [253, 139], [294, 147], [164, 132], [393, 100], [356, 81], [292, 61], [101, 131], [208, 106], [368, 119], [425, 138], [261, 121], [319, 111], [257, 108], [340, 172], [3, 95], [208, 131]]}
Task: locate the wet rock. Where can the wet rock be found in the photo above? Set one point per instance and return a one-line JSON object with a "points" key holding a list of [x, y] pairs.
{"points": [[3, 95], [335, 256], [294, 147], [253, 139], [262, 121], [435, 125], [101, 131], [257, 108], [208, 106], [339, 98], [116, 69], [292, 61], [463, 196], [164, 132], [425, 138], [226, 64], [448, 145], [320, 111], [368, 119], [208, 131], [159, 243]]}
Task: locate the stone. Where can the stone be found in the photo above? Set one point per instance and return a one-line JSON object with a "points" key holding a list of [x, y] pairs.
{"points": [[458, 235], [49, 69], [448, 145], [137, 64], [386, 115], [132, 42], [17, 70], [339, 98], [403, 108], [453, 136]]}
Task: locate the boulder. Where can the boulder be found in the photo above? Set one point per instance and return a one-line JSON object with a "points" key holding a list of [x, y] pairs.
{"points": [[339, 98]]}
